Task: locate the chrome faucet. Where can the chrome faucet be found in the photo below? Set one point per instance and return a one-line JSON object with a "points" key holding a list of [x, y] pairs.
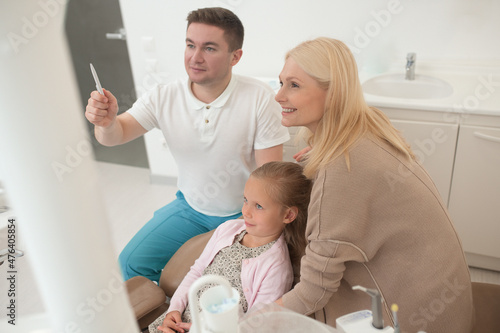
{"points": [[410, 66]]}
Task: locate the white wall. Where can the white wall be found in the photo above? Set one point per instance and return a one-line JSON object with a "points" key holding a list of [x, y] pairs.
{"points": [[380, 33]]}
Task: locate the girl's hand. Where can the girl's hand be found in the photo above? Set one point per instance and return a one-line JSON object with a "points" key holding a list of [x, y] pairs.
{"points": [[185, 326], [173, 323]]}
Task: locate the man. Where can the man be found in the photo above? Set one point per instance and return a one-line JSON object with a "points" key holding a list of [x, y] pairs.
{"points": [[218, 126]]}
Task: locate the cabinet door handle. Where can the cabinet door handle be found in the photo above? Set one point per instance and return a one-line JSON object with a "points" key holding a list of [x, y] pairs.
{"points": [[119, 34], [487, 137]]}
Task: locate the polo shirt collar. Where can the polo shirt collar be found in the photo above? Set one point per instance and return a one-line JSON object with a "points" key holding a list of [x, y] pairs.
{"points": [[219, 101]]}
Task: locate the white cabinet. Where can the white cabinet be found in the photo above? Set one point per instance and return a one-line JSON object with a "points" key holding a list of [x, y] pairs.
{"points": [[162, 165], [461, 152], [475, 194], [434, 146]]}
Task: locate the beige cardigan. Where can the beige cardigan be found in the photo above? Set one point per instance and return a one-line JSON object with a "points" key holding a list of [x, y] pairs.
{"points": [[382, 225]]}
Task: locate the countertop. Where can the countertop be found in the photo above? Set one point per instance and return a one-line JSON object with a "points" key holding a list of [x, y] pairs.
{"points": [[476, 89]]}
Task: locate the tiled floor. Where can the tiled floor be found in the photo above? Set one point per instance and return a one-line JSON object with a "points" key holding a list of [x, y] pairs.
{"points": [[130, 201]]}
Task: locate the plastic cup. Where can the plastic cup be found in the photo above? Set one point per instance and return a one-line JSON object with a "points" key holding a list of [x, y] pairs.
{"points": [[220, 313]]}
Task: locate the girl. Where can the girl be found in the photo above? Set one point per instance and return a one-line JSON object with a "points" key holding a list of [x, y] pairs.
{"points": [[375, 219], [254, 253]]}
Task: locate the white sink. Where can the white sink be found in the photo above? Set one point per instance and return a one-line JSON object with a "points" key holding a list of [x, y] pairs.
{"points": [[396, 86]]}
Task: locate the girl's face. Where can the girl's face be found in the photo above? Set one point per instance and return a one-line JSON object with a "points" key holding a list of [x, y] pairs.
{"points": [[300, 97], [264, 217]]}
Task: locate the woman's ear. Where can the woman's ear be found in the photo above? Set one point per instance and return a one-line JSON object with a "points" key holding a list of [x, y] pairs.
{"points": [[291, 214]]}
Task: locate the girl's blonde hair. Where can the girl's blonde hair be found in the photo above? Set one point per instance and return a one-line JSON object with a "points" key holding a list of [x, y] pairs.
{"points": [[346, 117], [287, 185]]}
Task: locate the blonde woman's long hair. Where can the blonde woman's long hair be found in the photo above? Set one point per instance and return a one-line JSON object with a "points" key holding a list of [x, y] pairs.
{"points": [[347, 117]]}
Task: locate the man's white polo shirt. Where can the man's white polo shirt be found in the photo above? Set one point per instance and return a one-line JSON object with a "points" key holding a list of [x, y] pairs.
{"points": [[214, 144]]}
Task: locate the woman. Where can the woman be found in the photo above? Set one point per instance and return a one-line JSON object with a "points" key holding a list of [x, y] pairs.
{"points": [[375, 218]]}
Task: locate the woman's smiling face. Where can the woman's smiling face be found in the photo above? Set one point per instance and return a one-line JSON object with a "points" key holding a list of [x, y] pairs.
{"points": [[301, 98]]}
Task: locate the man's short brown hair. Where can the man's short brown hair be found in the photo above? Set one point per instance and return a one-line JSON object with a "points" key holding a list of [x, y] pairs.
{"points": [[224, 19]]}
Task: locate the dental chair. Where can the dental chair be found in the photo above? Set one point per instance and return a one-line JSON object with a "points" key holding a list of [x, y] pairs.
{"points": [[486, 298], [149, 300]]}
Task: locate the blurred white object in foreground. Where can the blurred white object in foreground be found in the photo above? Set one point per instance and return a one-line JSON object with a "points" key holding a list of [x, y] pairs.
{"points": [[49, 174]]}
